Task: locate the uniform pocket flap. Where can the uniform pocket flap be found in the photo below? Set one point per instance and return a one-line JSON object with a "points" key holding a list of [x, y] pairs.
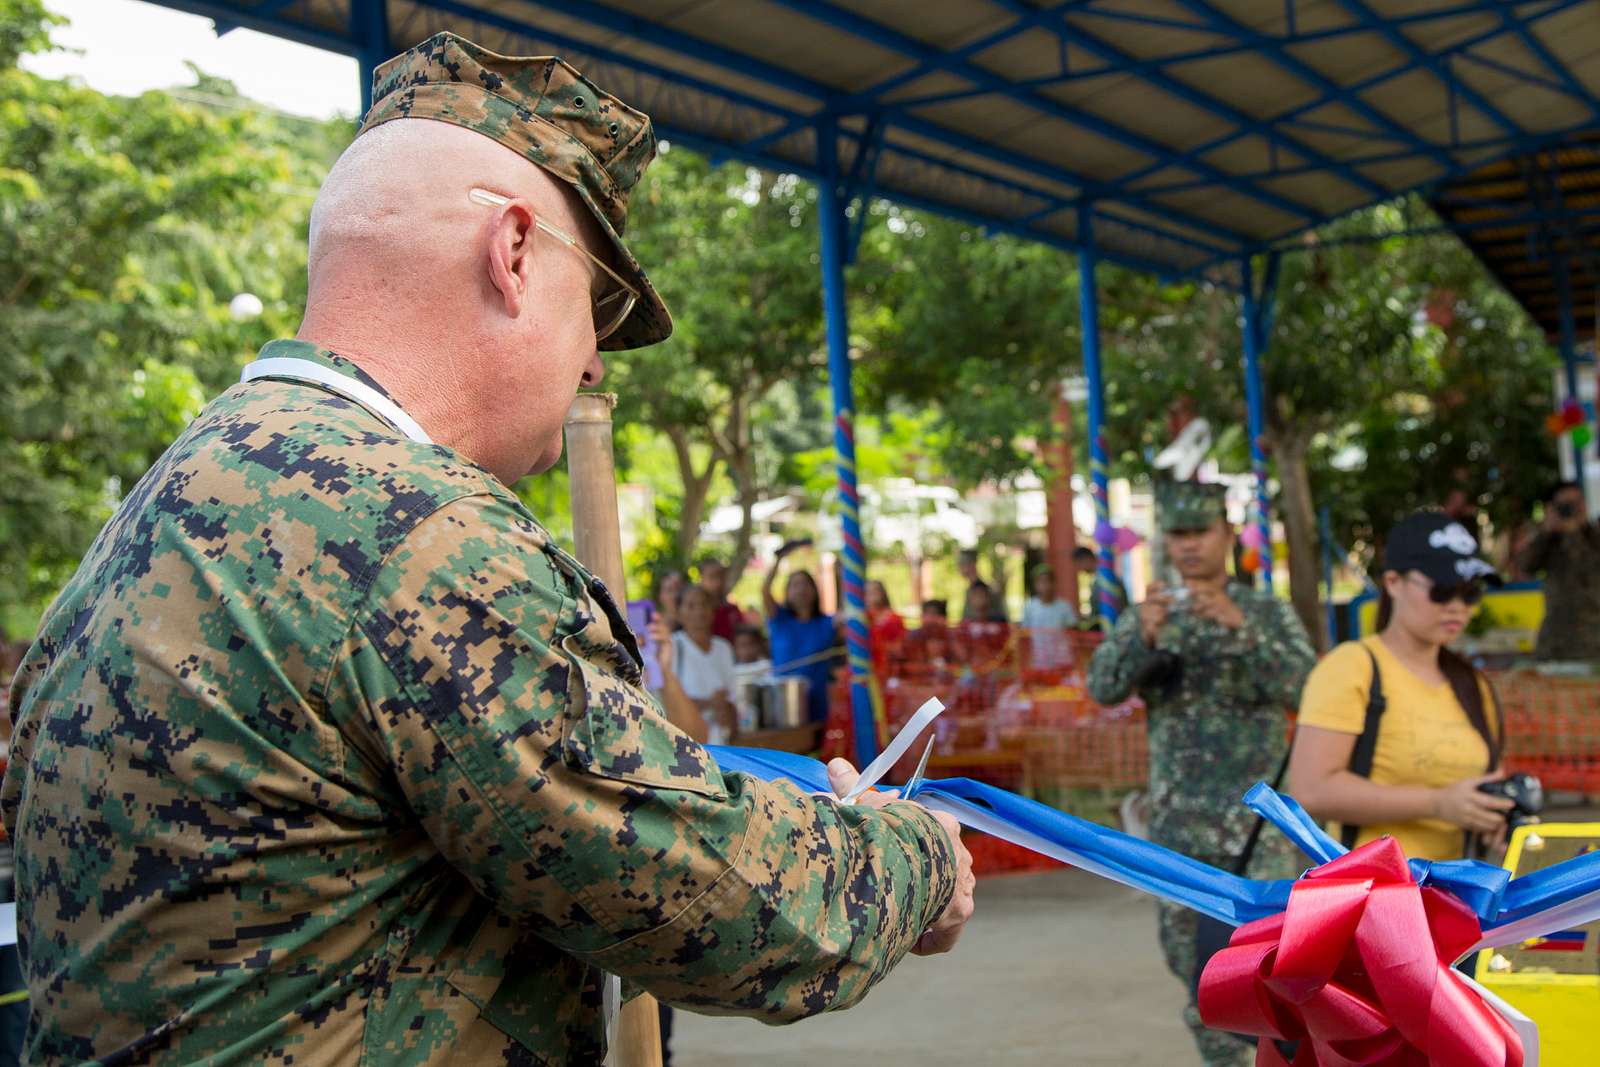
{"points": [[615, 730]]}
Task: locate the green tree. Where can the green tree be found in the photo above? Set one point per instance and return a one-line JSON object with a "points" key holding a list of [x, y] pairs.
{"points": [[126, 227], [981, 329], [733, 251]]}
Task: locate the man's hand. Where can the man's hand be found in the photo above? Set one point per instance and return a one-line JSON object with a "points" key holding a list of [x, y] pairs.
{"points": [[1216, 605], [1153, 613], [946, 930]]}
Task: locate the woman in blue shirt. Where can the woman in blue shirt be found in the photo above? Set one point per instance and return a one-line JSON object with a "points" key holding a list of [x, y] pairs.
{"points": [[802, 638]]}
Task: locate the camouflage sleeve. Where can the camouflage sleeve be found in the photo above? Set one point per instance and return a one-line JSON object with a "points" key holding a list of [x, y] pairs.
{"points": [[1118, 661], [489, 684], [1278, 654]]}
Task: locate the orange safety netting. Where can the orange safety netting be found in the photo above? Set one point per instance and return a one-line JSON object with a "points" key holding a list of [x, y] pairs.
{"points": [[1552, 728], [1019, 715]]}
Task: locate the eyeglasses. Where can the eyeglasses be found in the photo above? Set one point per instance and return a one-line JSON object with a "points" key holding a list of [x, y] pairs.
{"points": [[1469, 593], [611, 308]]}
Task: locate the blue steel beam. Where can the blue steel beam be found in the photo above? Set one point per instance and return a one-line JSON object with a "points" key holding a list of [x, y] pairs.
{"points": [[1071, 34], [1526, 78], [1105, 583], [1504, 146], [661, 37], [861, 183], [265, 9], [869, 96], [700, 143], [1569, 354], [1531, 42], [1255, 331], [892, 39], [1349, 96], [369, 26], [1248, 40], [831, 206], [1423, 58], [275, 25]]}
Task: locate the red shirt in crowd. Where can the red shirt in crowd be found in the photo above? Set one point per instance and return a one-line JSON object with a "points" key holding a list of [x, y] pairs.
{"points": [[726, 620]]}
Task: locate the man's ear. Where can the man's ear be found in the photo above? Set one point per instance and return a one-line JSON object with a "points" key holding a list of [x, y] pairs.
{"points": [[510, 253]]}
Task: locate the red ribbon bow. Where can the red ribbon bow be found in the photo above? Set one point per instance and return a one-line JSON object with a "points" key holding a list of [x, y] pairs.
{"points": [[1357, 970]]}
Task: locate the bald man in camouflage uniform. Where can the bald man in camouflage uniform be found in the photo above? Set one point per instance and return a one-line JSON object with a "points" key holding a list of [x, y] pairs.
{"points": [[328, 755], [1217, 664]]}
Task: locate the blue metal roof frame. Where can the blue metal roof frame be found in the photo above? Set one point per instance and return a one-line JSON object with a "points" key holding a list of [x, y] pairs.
{"points": [[1189, 133], [1534, 222]]}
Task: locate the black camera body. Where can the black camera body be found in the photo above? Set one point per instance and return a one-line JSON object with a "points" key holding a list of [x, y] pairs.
{"points": [[1523, 790]]}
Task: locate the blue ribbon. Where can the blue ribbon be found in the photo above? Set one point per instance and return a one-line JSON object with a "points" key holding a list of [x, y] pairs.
{"points": [[1489, 891]]}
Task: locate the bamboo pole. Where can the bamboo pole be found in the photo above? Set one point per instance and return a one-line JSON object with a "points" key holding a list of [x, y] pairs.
{"points": [[597, 538]]}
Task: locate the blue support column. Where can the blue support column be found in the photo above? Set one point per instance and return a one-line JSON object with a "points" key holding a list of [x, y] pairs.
{"points": [[831, 206], [1255, 340], [1569, 354], [369, 28], [1089, 325]]}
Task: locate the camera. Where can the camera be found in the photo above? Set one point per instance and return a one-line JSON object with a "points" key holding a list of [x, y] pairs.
{"points": [[1525, 791], [1567, 510]]}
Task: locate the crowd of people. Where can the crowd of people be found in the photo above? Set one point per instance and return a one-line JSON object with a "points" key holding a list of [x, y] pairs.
{"points": [[702, 646]]}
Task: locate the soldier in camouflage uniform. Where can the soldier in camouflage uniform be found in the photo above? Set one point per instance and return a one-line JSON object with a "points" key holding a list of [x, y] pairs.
{"points": [[327, 755], [1217, 664]]}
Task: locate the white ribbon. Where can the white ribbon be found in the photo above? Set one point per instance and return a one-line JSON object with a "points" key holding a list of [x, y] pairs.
{"points": [[897, 748], [303, 370], [1573, 913]]}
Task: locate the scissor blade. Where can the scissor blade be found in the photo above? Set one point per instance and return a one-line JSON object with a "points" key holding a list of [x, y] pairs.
{"points": [[922, 765]]}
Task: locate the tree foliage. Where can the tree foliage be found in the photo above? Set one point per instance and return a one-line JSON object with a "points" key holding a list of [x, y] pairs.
{"points": [[1397, 370], [126, 227], [734, 253]]}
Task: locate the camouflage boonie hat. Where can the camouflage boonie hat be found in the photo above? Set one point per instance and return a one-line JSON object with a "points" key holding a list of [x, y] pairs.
{"points": [[1190, 505], [541, 108]]}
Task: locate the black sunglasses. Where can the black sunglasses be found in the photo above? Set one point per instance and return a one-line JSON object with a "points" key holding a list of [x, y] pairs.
{"points": [[1469, 593]]}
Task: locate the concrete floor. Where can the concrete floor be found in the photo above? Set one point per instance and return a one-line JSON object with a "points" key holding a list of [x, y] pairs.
{"points": [[1055, 968]]}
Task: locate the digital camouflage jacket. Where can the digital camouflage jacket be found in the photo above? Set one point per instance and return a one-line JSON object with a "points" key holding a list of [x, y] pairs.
{"points": [[328, 756], [1217, 718]]}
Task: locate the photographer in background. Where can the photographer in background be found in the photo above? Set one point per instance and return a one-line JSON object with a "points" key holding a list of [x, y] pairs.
{"points": [[1567, 550]]}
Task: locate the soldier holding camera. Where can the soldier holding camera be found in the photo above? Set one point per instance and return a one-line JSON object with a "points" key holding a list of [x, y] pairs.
{"points": [[1217, 663], [1567, 551]]}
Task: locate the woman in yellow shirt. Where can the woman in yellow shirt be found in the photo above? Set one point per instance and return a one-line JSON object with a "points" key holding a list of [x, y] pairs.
{"points": [[1437, 733]]}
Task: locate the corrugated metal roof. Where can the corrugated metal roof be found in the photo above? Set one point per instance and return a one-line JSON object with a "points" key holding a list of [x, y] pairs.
{"points": [[1531, 218], [1189, 132]]}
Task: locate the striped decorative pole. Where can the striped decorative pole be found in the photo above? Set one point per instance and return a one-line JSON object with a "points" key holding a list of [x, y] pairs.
{"points": [[1254, 340], [831, 205], [1089, 323]]}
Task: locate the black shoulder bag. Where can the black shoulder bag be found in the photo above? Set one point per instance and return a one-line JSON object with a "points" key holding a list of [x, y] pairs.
{"points": [[1212, 935]]}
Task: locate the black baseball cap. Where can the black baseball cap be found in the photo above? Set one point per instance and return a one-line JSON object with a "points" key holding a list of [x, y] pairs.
{"points": [[1439, 548]]}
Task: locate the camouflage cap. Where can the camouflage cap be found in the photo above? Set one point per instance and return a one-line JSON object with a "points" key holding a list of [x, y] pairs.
{"points": [[542, 108], [1190, 505]]}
